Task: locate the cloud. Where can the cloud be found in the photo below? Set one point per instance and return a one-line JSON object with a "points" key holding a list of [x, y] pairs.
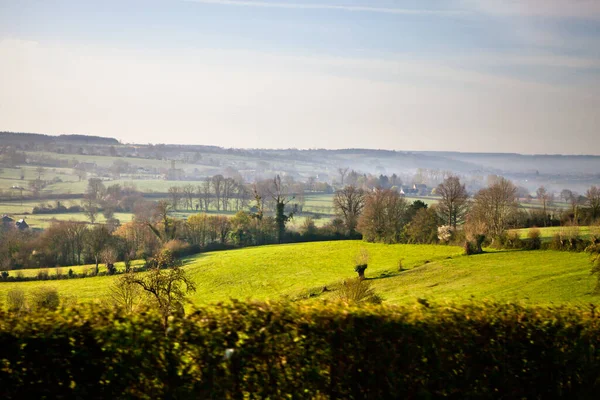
{"points": [[350, 8]]}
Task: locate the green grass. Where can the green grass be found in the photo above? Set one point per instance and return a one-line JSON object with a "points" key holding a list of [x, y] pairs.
{"points": [[534, 277], [78, 269], [437, 273], [549, 232]]}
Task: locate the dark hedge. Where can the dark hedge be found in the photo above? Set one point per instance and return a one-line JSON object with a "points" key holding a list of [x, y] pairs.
{"points": [[276, 351]]}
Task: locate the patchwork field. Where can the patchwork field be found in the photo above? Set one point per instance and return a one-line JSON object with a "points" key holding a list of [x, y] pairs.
{"points": [[436, 273]]}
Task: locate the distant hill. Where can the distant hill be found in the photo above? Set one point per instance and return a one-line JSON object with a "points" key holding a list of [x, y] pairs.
{"points": [[21, 137]]}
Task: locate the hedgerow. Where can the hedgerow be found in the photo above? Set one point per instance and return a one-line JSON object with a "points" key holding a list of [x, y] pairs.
{"points": [[261, 350]]}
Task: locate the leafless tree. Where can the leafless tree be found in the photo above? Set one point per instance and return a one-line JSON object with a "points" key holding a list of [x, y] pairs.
{"points": [[493, 207], [342, 172], [175, 194], [90, 209], [453, 204], [188, 195], [383, 217], [542, 196], [593, 202], [217, 182], [348, 204], [126, 294], [281, 197]]}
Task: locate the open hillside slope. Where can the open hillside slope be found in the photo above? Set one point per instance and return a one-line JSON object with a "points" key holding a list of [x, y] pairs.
{"points": [[436, 273]]}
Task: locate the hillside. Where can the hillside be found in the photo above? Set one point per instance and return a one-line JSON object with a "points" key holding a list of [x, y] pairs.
{"points": [[437, 273]]}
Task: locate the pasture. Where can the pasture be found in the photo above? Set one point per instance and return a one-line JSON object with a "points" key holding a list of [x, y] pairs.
{"points": [[436, 273]]}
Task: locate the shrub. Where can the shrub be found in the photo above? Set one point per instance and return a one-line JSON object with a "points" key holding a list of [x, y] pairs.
{"points": [[444, 233], [361, 262], [513, 240], [45, 298], [43, 274], [256, 350], [357, 291], [4, 275], [535, 239], [15, 300], [177, 247]]}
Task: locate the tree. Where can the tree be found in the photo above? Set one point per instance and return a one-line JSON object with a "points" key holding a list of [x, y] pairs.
{"points": [[188, 195], [494, 207], [175, 194], [95, 189], [566, 195], [342, 172], [383, 217], [217, 182], [167, 287], [40, 171], [98, 239], [593, 202], [348, 204], [159, 222], [542, 196], [423, 228], [453, 204], [90, 209], [126, 294], [280, 196]]}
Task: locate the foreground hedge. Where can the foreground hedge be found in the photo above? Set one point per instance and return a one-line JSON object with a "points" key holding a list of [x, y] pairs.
{"points": [[288, 351]]}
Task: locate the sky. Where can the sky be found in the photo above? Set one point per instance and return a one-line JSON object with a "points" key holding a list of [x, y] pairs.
{"points": [[423, 75]]}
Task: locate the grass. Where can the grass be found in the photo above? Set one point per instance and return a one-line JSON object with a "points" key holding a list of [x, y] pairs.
{"points": [[535, 277], [78, 269], [437, 273], [548, 232]]}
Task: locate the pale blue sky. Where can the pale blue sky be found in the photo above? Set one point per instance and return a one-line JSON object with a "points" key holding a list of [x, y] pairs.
{"points": [[465, 75]]}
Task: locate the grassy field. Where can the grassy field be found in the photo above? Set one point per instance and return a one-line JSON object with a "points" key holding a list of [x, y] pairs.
{"points": [[437, 273], [549, 232]]}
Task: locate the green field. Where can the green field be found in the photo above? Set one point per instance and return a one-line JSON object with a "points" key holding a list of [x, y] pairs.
{"points": [[437, 273], [549, 232]]}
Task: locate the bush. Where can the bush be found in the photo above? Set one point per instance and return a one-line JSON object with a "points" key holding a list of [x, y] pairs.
{"points": [[257, 350], [15, 300], [43, 274], [361, 262], [45, 298], [535, 239], [513, 240], [357, 291]]}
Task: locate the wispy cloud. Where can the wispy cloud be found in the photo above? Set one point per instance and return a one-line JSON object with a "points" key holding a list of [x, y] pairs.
{"points": [[350, 8]]}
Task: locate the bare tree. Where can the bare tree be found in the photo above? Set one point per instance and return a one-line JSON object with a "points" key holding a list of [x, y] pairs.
{"points": [[90, 209], [95, 189], [40, 171], [453, 204], [281, 197], [188, 195], [348, 204], [98, 240], [126, 294], [593, 202], [342, 172], [217, 182], [542, 196], [227, 192], [175, 194], [384, 216], [206, 193], [493, 207]]}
